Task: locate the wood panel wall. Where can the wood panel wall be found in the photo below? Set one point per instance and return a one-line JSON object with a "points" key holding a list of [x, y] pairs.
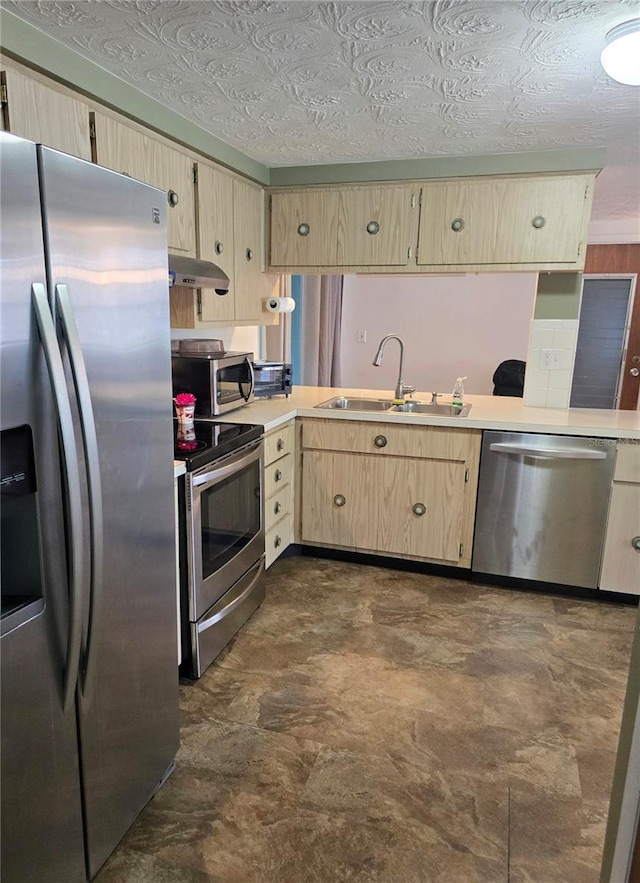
{"points": [[622, 259]]}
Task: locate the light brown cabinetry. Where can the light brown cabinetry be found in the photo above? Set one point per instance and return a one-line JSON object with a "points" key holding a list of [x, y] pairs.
{"points": [[621, 559], [406, 491], [338, 227], [33, 110], [279, 458], [537, 221], [515, 222], [230, 233], [132, 152]]}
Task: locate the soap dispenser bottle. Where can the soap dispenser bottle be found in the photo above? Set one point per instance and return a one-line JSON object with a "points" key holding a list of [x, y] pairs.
{"points": [[457, 396]]}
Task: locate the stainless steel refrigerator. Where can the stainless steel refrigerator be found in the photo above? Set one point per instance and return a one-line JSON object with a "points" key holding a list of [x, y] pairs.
{"points": [[89, 684]]}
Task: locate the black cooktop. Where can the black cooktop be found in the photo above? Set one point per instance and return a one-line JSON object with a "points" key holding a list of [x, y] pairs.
{"points": [[212, 440]]}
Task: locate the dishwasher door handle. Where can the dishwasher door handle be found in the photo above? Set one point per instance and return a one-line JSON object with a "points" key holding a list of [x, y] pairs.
{"points": [[547, 453]]}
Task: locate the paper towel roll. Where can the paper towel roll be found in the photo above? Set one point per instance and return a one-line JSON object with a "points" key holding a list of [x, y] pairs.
{"points": [[281, 304]]}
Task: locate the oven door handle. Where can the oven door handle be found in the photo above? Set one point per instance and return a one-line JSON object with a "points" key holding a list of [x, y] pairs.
{"points": [[231, 606], [217, 473]]}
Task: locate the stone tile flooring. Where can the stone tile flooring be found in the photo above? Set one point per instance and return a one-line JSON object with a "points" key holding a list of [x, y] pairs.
{"points": [[375, 725]]}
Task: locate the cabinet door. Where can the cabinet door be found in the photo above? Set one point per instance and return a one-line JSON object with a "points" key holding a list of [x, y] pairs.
{"points": [[133, 153], [39, 113], [304, 228], [500, 221], [249, 280], [376, 226], [393, 505], [215, 239], [621, 561]]}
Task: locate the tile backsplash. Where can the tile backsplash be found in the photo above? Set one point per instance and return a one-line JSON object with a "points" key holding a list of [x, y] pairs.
{"points": [[552, 350]]}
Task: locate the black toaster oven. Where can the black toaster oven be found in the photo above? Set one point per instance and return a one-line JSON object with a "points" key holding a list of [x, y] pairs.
{"points": [[272, 379]]}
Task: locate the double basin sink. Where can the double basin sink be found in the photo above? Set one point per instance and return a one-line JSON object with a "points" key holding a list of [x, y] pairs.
{"points": [[342, 403]]}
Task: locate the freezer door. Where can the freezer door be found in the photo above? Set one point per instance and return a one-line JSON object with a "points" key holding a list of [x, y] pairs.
{"points": [[107, 243], [41, 817], [542, 507]]}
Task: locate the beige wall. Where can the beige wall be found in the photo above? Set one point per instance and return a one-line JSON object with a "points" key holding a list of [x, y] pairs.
{"points": [[451, 325]]}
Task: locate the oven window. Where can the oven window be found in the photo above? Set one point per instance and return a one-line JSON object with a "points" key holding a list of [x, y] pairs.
{"points": [[230, 514], [233, 381]]}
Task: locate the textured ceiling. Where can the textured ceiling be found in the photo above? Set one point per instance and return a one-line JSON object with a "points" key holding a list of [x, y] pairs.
{"points": [[292, 83]]}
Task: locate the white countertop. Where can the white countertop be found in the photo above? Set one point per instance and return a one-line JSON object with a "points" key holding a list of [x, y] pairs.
{"points": [[487, 412], [178, 468]]}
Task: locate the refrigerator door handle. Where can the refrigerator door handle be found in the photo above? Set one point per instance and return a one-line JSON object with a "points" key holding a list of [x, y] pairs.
{"points": [[57, 378], [90, 442], [547, 453]]}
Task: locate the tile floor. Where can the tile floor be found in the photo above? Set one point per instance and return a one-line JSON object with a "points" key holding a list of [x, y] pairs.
{"points": [[374, 725]]}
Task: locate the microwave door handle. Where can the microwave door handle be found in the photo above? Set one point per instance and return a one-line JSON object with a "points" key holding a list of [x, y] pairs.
{"points": [[58, 381], [252, 378], [217, 473], [90, 442]]}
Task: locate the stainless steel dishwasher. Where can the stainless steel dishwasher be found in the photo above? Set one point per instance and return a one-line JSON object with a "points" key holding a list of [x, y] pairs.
{"points": [[542, 507]]}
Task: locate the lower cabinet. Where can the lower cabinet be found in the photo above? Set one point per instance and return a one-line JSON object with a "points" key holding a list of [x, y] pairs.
{"points": [[621, 559], [278, 490], [407, 491]]}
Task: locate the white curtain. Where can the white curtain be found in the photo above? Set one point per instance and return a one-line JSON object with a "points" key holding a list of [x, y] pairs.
{"points": [[321, 298]]}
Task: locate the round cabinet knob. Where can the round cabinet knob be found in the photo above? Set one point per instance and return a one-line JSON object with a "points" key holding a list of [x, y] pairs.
{"points": [[419, 509], [172, 198], [635, 542], [249, 254], [538, 222], [634, 371], [457, 225], [278, 475], [373, 227], [277, 507], [380, 441], [218, 247], [339, 500], [304, 229], [280, 444], [635, 360], [277, 541]]}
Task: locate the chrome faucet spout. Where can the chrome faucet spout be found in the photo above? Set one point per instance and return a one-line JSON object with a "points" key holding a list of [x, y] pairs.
{"points": [[401, 388]]}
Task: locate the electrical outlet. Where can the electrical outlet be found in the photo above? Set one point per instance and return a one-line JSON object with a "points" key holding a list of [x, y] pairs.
{"points": [[362, 336], [550, 359]]}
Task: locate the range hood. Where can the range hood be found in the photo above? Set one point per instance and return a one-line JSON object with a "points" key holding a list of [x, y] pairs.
{"points": [[193, 273]]}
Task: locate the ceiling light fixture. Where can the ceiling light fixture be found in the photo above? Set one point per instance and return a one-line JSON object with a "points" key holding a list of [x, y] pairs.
{"points": [[621, 56]]}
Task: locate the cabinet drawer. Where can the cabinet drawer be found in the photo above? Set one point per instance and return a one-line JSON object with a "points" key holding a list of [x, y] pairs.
{"points": [[278, 474], [277, 506], [627, 462], [389, 439], [278, 538], [279, 443]]}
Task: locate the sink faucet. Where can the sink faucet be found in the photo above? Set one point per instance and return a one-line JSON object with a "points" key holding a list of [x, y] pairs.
{"points": [[401, 389]]}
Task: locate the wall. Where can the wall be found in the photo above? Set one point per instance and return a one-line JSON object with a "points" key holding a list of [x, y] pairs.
{"points": [[451, 325]]}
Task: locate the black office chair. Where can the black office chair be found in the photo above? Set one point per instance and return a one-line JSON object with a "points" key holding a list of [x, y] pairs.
{"points": [[508, 378]]}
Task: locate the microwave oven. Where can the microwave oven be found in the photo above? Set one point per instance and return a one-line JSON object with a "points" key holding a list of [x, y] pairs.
{"points": [[219, 381]]}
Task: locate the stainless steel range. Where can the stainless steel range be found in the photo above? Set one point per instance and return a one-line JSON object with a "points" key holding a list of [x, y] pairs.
{"points": [[222, 571]]}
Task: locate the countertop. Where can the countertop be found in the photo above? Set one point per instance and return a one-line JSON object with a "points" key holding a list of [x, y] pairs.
{"points": [[487, 412]]}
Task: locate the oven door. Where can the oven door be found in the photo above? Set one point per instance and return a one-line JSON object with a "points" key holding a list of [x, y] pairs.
{"points": [[233, 381], [225, 525]]}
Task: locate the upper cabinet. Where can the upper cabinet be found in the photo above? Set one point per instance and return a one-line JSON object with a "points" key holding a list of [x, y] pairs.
{"points": [[537, 221], [33, 110], [355, 226], [230, 220], [216, 240], [132, 152], [517, 222]]}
